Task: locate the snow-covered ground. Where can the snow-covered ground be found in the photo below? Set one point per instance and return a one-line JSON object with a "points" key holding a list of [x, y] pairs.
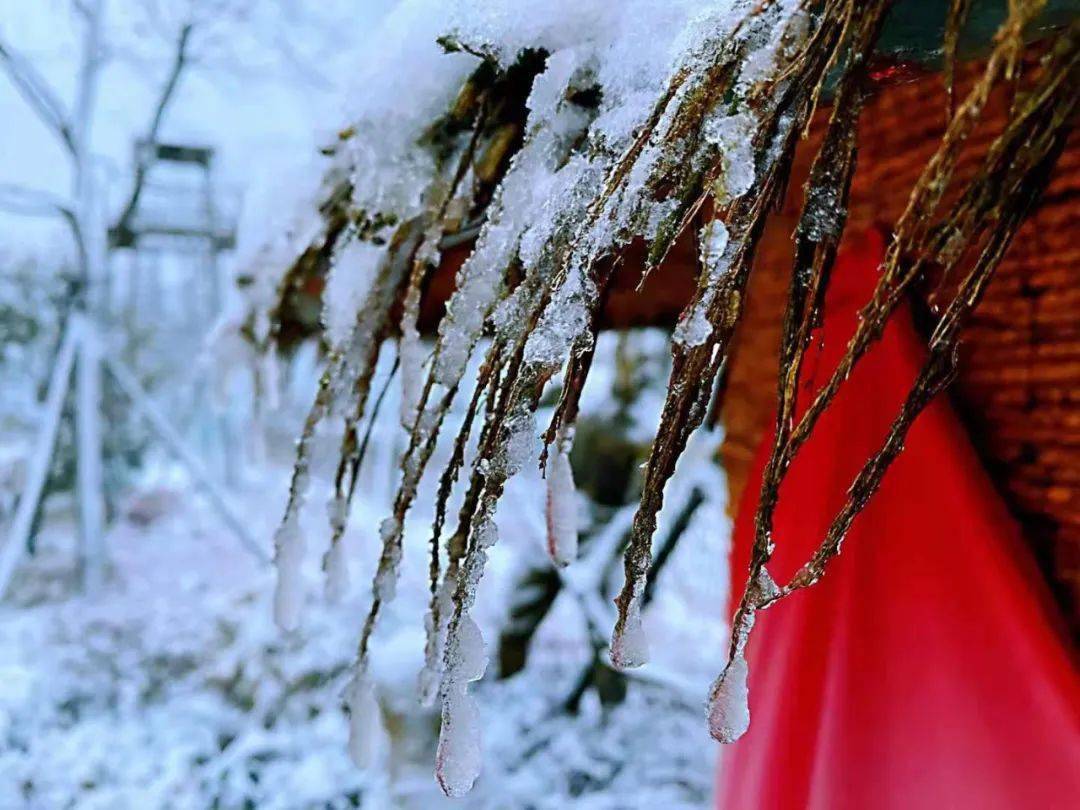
{"points": [[174, 689]]}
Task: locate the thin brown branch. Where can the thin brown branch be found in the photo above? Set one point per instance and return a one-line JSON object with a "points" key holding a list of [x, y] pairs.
{"points": [[1015, 172], [959, 11], [165, 97], [820, 228], [696, 367]]}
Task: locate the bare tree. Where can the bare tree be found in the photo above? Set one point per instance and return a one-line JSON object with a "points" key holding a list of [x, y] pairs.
{"points": [[81, 210], [217, 35], [180, 26]]}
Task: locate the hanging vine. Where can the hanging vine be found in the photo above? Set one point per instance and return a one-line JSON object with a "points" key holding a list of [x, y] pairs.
{"points": [[557, 165]]}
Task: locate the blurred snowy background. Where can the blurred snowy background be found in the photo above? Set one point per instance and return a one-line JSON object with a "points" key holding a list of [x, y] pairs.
{"points": [[169, 686]]}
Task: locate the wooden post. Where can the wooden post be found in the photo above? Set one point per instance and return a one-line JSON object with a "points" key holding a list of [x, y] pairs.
{"points": [[90, 466], [38, 471], [130, 386]]}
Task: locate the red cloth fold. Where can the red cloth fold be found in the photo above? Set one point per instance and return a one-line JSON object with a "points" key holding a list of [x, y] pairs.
{"points": [[928, 669]]}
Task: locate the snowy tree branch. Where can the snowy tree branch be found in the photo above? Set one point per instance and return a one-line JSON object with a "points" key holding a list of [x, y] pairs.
{"points": [[81, 9], [168, 92], [32, 202], [36, 203], [36, 91]]}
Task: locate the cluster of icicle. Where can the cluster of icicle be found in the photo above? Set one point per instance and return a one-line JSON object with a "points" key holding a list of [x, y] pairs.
{"points": [[690, 118]]}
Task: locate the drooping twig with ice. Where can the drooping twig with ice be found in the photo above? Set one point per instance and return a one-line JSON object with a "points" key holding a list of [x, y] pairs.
{"points": [[561, 137]]}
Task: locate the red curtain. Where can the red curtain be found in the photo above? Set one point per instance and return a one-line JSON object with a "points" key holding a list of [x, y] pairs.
{"points": [[929, 668]]}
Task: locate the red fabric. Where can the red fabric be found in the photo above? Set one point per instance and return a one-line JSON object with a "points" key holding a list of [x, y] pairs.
{"points": [[928, 668]]}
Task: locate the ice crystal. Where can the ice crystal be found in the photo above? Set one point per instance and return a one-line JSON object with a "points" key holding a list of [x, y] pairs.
{"points": [[729, 708]]}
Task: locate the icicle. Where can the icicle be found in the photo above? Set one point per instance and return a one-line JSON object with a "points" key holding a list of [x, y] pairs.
{"points": [[734, 134], [288, 543], [427, 682], [270, 369], [629, 644], [457, 761], [520, 445], [714, 241], [729, 708], [387, 575], [336, 568], [458, 757], [289, 559], [367, 736], [411, 355], [335, 561], [561, 506]]}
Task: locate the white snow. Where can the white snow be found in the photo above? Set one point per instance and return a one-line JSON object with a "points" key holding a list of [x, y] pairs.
{"points": [[347, 287]]}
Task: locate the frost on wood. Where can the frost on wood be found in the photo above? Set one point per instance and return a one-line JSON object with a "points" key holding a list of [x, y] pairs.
{"points": [[767, 589], [694, 327], [387, 574], [552, 141]]}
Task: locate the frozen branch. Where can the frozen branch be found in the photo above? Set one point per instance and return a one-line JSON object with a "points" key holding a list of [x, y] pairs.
{"points": [[565, 176], [37, 92], [168, 91], [33, 202], [36, 203]]}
